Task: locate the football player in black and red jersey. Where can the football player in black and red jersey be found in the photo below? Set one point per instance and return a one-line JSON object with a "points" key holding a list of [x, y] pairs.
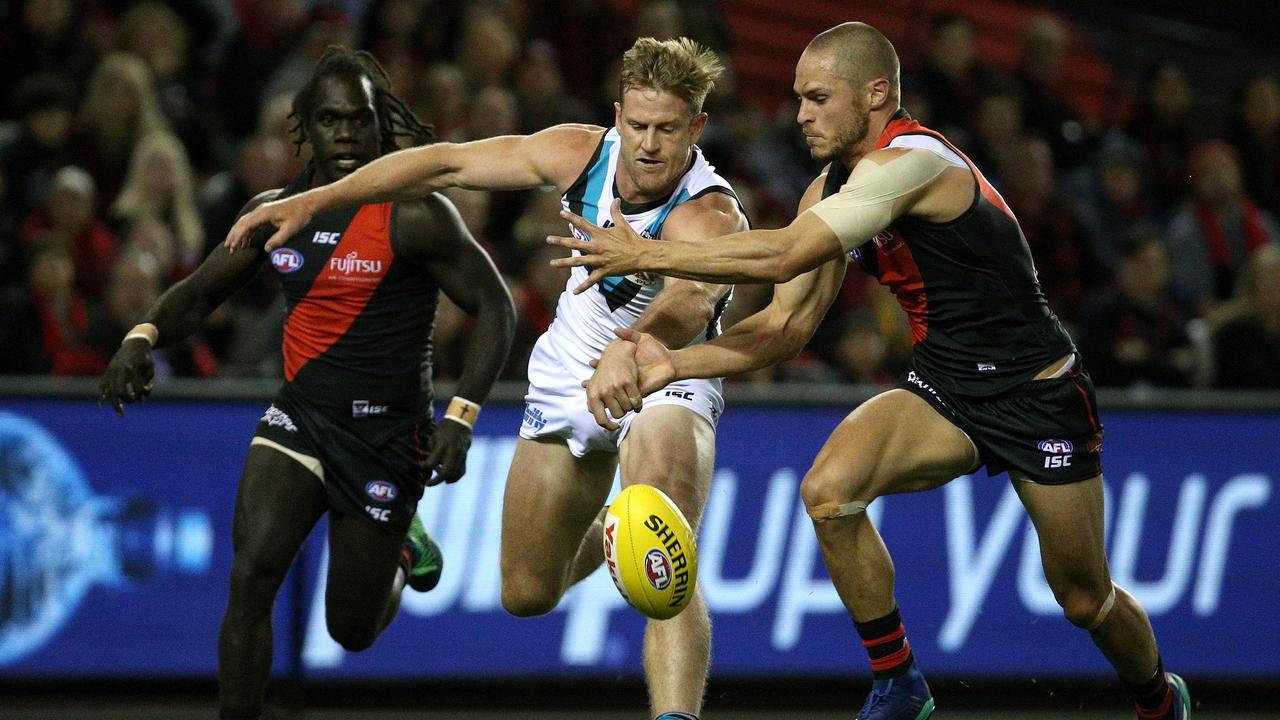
{"points": [[351, 432], [995, 380]]}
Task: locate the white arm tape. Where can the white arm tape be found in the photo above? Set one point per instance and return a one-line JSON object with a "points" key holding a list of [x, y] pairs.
{"points": [[864, 205]]}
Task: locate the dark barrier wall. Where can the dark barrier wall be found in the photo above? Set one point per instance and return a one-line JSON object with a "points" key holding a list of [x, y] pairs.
{"points": [[115, 551]]}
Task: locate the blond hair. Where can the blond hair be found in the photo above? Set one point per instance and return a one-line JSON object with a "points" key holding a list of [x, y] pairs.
{"points": [[136, 203], [118, 135], [681, 67]]}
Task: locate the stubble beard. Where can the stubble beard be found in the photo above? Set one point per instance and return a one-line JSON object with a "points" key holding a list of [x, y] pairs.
{"points": [[849, 137]]}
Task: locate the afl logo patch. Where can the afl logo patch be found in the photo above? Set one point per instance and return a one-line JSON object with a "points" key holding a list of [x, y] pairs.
{"points": [[286, 260], [1056, 447], [381, 490], [657, 567]]}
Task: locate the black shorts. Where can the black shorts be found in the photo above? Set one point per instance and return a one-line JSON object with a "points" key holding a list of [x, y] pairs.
{"points": [[1046, 430], [379, 478]]}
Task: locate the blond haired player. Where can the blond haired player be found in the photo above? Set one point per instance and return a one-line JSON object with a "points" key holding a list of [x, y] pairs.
{"points": [[566, 458], [995, 380]]}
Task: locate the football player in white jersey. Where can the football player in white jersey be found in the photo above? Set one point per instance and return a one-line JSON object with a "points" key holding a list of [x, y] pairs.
{"points": [[565, 461]]}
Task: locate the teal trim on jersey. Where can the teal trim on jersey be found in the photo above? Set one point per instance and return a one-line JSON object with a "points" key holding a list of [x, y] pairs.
{"points": [[655, 227], [595, 178]]}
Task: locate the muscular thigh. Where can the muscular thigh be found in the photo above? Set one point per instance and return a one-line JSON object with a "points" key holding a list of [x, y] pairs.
{"points": [[363, 558], [673, 449], [551, 498], [1069, 522], [277, 503], [895, 442]]}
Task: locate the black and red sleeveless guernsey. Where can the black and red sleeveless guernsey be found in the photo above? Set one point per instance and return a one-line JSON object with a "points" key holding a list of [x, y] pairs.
{"points": [[357, 360], [980, 324]]}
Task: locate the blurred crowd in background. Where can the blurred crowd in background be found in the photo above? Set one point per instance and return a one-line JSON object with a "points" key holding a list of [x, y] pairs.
{"points": [[132, 133]]}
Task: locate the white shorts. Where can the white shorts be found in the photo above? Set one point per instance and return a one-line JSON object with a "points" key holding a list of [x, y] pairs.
{"points": [[556, 405]]}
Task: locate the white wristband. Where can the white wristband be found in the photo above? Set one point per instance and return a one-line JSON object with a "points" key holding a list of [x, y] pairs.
{"points": [[463, 412], [146, 331], [460, 421]]}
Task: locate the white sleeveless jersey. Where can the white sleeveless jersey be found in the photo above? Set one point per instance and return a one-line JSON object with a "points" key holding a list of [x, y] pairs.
{"points": [[584, 323]]}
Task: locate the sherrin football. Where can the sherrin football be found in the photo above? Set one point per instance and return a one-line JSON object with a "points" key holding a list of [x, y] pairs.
{"points": [[650, 551]]}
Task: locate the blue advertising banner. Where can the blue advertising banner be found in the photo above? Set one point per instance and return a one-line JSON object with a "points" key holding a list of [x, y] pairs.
{"points": [[117, 551]]}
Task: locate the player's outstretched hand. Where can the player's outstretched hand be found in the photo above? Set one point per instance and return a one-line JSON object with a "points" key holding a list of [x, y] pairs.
{"points": [[610, 251], [654, 362], [447, 459], [128, 376], [614, 389], [288, 216]]}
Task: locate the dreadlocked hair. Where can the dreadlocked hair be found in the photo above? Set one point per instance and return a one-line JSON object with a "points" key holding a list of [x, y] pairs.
{"points": [[395, 119]]}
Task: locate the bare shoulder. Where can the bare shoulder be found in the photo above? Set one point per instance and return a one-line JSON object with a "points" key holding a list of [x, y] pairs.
{"points": [[709, 215], [265, 196], [564, 151]]}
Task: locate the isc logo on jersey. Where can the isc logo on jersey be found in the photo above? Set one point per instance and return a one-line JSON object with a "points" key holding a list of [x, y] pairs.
{"points": [[286, 260], [650, 552]]}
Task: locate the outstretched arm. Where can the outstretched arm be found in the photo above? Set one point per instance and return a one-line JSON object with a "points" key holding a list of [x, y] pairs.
{"points": [[774, 334], [678, 314], [883, 186], [433, 235], [553, 156], [177, 314]]}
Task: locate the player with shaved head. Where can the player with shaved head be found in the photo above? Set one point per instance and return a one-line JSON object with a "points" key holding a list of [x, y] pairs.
{"points": [[995, 380]]}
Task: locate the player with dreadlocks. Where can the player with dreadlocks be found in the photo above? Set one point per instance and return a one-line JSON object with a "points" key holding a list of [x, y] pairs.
{"points": [[351, 431]]}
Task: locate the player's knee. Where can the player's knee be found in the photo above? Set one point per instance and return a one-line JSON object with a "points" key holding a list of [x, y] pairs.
{"points": [[253, 585], [1085, 605], [527, 596], [353, 634], [831, 494]]}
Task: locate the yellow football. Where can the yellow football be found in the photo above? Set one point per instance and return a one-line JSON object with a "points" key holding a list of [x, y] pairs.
{"points": [[650, 551]]}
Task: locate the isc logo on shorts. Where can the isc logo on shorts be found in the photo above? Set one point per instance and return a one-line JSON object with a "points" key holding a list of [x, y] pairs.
{"points": [[1057, 453], [286, 260], [380, 490]]}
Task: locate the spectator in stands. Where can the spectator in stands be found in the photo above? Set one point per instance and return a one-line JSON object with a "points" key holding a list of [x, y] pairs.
{"points": [[43, 104], [1215, 231], [863, 354], [488, 47], [325, 25], [950, 78], [1115, 197], [275, 122], [119, 109], [160, 186], [1066, 266], [68, 218], [444, 97], [535, 294], [1164, 126], [1254, 130], [41, 36], [1246, 340], [46, 321], [539, 86], [1136, 333], [493, 111], [261, 164], [996, 131], [1044, 43], [268, 32], [156, 33], [574, 31], [135, 284]]}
